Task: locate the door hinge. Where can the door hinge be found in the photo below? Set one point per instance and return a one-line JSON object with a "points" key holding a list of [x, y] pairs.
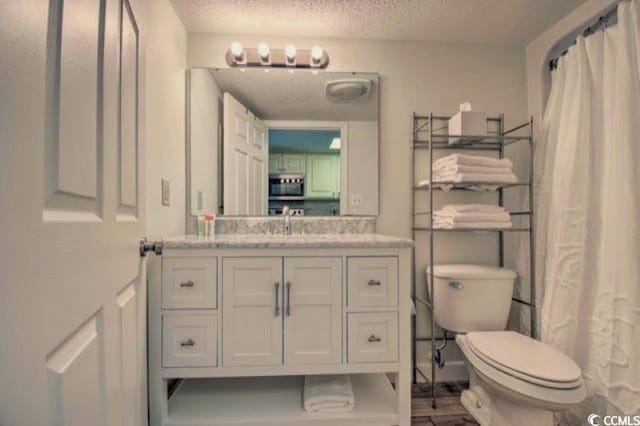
{"points": [[146, 246]]}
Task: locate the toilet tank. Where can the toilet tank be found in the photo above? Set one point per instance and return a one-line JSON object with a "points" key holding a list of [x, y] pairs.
{"points": [[472, 297]]}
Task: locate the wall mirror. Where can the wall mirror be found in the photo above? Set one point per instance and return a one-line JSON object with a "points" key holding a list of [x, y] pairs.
{"points": [[259, 140]]}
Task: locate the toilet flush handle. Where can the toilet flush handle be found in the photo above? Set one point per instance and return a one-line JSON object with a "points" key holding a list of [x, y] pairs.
{"points": [[456, 285]]}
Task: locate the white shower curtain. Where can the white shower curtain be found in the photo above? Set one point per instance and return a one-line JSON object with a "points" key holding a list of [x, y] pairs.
{"points": [[587, 175]]}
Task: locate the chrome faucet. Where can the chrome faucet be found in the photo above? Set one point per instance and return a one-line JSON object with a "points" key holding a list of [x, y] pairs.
{"points": [[286, 213]]}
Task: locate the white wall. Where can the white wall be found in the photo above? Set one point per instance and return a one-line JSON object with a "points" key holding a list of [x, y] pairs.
{"points": [[421, 77], [165, 118], [205, 117]]}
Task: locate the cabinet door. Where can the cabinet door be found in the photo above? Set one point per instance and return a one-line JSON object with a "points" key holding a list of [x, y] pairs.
{"points": [[293, 163], [322, 175], [251, 311], [275, 163], [313, 310]]}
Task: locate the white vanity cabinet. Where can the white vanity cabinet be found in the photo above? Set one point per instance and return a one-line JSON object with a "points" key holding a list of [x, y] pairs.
{"points": [[234, 330]]}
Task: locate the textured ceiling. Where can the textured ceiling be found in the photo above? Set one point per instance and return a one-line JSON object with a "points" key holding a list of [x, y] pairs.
{"points": [[280, 95], [507, 22]]}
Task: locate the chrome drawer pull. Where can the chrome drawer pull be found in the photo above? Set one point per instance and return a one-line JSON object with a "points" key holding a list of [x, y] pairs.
{"points": [[276, 286], [374, 282], [187, 284], [374, 338], [188, 342]]}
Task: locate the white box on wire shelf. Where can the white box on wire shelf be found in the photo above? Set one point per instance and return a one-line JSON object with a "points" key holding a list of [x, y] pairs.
{"points": [[467, 123]]}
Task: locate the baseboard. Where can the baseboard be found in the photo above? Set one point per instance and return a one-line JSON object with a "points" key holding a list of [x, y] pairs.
{"points": [[453, 371]]}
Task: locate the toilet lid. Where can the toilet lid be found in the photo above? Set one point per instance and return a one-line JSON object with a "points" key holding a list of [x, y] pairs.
{"points": [[515, 353]]}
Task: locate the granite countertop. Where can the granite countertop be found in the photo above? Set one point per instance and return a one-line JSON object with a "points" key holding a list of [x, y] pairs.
{"points": [[287, 241]]}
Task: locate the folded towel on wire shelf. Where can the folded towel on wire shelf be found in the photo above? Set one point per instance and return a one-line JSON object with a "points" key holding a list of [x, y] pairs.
{"points": [[472, 208], [475, 177], [471, 216], [476, 173], [446, 187], [328, 394], [472, 160]]}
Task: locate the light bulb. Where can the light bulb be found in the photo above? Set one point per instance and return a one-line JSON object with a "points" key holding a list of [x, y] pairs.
{"points": [[316, 53], [290, 51], [263, 51], [236, 49]]}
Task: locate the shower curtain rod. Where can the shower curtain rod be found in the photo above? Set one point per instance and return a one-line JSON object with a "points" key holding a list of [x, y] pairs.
{"points": [[601, 22]]}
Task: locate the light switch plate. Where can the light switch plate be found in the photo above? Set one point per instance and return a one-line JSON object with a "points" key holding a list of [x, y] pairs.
{"points": [[166, 193]]}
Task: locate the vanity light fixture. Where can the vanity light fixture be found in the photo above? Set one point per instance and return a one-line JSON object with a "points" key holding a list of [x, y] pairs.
{"points": [[317, 53], [236, 50], [263, 51], [265, 57], [290, 52]]}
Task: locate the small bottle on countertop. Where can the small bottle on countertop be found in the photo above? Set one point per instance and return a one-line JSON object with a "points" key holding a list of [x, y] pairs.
{"points": [[210, 227], [200, 225]]}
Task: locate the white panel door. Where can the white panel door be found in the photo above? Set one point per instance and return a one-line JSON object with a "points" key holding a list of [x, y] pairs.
{"points": [[313, 310], [72, 286], [252, 311], [246, 160]]}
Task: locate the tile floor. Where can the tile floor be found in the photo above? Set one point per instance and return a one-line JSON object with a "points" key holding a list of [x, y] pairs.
{"points": [[449, 412]]}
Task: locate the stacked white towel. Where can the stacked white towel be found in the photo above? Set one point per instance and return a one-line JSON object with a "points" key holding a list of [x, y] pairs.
{"points": [[328, 394], [471, 216], [475, 172]]}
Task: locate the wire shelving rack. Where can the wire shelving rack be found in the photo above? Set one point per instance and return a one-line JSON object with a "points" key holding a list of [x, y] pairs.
{"points": [[435, 129]]}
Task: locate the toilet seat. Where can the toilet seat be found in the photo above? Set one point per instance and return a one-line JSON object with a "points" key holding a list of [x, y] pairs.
{"points": [[548, 394], [525, 358]]}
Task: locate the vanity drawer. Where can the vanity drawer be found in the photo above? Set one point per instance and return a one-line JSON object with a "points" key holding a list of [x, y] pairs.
{"points": [[189, 283], [373, 337], [372, 281], [189, 341]]}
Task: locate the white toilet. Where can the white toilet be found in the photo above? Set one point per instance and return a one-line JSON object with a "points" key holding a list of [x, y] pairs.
{"points": [[513, 379]]}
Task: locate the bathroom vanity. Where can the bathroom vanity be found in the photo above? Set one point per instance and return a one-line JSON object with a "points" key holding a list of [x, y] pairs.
{"points": [[237, 320]]}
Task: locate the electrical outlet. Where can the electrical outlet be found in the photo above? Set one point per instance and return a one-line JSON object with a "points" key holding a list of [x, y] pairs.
{"points": [[166, 193], [356, 199]]}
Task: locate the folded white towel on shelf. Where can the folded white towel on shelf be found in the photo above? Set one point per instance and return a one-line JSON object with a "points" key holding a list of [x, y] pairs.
{"points": [[454, 217], [472, 160], [471, 216], [471, 186], [476, 173], [328, 394], [447, 224], [473, 208], [475, 177], [461, 168]]}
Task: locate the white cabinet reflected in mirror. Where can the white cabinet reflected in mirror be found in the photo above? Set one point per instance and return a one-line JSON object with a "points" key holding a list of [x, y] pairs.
{"points": [[262, 140]]}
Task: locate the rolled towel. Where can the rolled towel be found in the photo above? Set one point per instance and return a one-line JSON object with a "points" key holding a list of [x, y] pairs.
{"points": [[472, 160], [328, 394]]}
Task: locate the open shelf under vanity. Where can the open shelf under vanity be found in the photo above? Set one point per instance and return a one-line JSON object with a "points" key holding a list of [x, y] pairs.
{"points": [[276, 400]]}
